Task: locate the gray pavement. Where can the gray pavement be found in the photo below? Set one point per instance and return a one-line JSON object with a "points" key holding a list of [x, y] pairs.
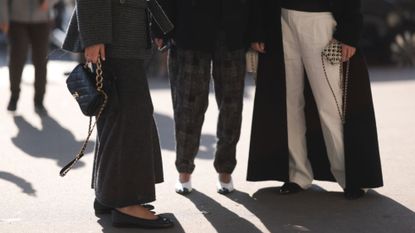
{"points": [[34, 199]]}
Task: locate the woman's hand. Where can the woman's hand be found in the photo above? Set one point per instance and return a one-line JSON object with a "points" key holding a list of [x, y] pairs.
{"points": [[347, 52], [93, 52], [258, 46], [159, 42]]}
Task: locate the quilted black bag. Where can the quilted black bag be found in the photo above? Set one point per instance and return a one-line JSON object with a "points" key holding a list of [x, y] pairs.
{"points": [[87, 87]]}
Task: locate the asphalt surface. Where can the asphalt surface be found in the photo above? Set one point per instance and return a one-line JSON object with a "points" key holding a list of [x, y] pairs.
{"points": [[34, 199]]}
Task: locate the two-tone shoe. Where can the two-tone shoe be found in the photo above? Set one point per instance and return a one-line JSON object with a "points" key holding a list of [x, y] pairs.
{"points": [[183, 188], [224, 188]]}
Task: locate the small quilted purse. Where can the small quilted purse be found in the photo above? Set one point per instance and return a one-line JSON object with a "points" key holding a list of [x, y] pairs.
{"points": [[333, 52], [87, 88]]}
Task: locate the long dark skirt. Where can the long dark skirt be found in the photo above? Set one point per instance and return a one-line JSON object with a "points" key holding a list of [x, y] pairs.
{"points": [[127, 158]]}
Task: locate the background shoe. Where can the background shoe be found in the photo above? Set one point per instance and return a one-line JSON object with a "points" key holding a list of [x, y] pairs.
{"points": [[224, 188], [290, 188], [124, 220], [40, 109], [103, 209], [12, 106], [183, 188], [353, 194]]}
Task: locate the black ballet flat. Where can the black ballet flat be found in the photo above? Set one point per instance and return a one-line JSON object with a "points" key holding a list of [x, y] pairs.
{"points": [[290, 188], [103, 209], [122, 220], [353, 194]]}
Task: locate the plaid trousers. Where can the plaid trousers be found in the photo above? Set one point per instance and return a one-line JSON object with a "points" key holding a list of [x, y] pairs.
{"points": [[190, 73]]}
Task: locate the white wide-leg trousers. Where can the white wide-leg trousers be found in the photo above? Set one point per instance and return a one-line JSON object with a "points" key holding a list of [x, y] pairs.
{"points": [[305, 34]]}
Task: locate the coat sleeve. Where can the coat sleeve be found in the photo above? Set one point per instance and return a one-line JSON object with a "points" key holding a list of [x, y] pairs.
{"points": [[169, 7], [257, 21], [349, 23], [94, 22], [4, 11]]}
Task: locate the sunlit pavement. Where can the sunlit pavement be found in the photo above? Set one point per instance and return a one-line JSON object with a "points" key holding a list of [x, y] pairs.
{"points": [[34, 199]]}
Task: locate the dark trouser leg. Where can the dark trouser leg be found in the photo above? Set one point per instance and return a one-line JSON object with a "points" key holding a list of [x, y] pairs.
{"points": [[19, 45], [189, 80], [39, 38], [229, 76]]}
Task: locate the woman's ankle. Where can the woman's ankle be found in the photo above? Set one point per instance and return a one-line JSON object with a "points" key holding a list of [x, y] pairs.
{"points": [[137, 211], [184, 177], [225, 177]]}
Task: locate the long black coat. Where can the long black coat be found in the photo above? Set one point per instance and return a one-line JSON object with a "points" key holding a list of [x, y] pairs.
{"points": [[268, 155]]}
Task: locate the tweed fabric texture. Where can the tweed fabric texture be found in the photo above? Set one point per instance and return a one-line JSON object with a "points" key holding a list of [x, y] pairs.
{"points": [[127, 158], [122, 25]]}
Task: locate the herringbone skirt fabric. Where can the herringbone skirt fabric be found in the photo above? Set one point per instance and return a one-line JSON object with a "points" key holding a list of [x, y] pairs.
{"points": [[127, 158]]}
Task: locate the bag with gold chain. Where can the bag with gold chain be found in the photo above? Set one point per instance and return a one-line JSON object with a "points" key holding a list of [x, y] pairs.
{"points": [[87, 87], [332, 53]]}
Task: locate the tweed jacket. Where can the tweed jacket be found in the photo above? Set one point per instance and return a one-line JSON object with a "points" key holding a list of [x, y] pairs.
{"points": [[122, 25]]}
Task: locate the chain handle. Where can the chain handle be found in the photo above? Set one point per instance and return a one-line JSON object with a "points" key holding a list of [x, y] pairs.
{"points": [[344, 84], [252, 61], [345, 89], [100, 88]]}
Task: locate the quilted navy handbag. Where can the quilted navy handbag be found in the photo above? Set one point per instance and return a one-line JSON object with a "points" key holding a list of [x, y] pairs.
{"points": [[87, 87]]}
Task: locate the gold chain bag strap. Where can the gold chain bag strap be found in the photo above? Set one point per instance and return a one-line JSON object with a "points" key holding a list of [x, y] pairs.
{"points": [[100, 88], [333, 54], [251, 61]]}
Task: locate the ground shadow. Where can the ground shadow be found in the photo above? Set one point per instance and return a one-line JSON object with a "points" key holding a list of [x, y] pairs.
{"points": [[105, 222], [319, 211], [25, 186], [52, 141], [165, 125], [222, 219]]}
